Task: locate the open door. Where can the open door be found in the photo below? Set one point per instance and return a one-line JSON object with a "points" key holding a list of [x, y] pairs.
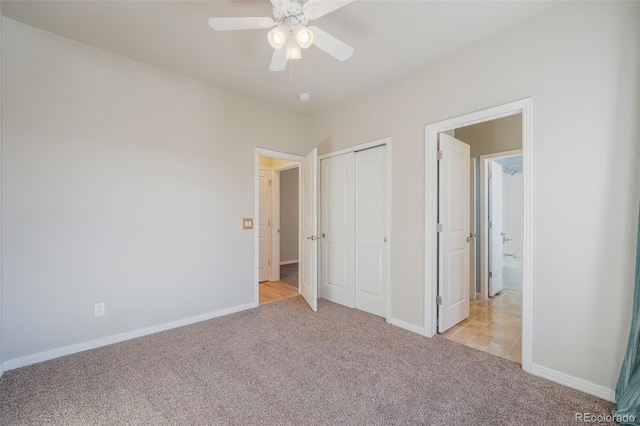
{"points": [[454, 239], [495, 228], [308, 272]]}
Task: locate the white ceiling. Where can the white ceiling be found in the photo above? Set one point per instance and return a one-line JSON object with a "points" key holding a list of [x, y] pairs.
{"points": [[390, 38]]}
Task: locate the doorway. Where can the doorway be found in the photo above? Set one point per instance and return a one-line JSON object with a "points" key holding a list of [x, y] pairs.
{"points": [[307, 226], [448, 291], [277, 228], [494, 321]]}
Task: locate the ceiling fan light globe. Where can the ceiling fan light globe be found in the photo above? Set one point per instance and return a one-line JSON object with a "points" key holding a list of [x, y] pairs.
{"points": [[276, 38], [304, 36], [293, 50]]}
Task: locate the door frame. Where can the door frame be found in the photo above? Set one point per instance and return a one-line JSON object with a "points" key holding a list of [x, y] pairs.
{"points": [[256, 209], [524, 107], [484, 224], [474, 230], [386, 141]]}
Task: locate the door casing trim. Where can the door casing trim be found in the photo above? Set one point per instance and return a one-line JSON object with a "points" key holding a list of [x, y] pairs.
{"points": [[524, 107]]}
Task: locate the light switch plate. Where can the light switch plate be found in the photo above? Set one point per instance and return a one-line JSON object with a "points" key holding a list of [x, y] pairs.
{"points": [[247, 223]]}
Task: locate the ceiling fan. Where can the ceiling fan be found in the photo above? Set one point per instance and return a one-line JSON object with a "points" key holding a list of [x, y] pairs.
{"points": [[290, 32]]}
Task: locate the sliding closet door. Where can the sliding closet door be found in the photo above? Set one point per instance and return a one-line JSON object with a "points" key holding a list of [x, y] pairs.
{"points": [[337, 204], [371, 232]]}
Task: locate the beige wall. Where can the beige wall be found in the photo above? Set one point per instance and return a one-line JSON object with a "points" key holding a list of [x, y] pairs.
{"points": [[504, 134], [123, 184], [271, 162], [289, 211], [579, 63]]}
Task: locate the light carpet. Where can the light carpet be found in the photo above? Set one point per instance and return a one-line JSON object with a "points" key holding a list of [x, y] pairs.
{"points": [[281, 364]]}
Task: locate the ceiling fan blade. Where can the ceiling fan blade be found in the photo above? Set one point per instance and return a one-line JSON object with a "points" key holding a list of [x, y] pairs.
{"points": [[334, 47], [279, 60], [227, 24], [280, 4], [314, 9]]}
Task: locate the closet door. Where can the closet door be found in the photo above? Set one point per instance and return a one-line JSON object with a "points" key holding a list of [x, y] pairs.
{"points": [[337, 204], [370, 228]]}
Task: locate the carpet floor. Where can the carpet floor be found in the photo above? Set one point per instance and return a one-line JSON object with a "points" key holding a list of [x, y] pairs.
{"points": [[281, 364], [289, 274]]}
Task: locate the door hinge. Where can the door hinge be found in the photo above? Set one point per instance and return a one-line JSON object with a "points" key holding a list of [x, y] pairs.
{"points": [[490, 274], [490, 174], [438, 227], [268, 263], [268, 223], [269, 182], [439, 155], [490, 224], [439, 300]]}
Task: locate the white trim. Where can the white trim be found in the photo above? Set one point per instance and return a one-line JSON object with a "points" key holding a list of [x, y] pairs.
{"points": [[524, 107], [474, 230], [407, 326], [116, 338], [574, 382], [288, 262], [256, 207], [2, 369], [386, 141], [274, 267], [484, 225]]}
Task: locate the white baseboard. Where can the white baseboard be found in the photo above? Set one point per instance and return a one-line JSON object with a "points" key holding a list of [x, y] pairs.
{"points": [[573, 382], [116, 338], [288, 262], [407, 326]]}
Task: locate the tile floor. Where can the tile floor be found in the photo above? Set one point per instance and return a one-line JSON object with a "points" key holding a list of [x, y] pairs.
{"points": [[493, 326]]}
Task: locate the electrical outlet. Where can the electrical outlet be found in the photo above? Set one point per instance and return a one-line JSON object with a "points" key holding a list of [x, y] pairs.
{"points": [[99, 309]]}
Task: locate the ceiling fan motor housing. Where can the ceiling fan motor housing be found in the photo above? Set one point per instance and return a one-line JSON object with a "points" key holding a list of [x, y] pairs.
{"points": [[291, 15]]}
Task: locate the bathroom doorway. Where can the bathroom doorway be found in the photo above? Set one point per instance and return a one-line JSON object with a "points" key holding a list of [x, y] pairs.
{"points": [[488, 316]]}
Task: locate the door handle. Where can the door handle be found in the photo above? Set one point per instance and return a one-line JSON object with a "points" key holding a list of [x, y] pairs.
{"points": [[312, 238]]}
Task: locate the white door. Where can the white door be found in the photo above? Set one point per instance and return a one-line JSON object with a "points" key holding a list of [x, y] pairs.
{"points": [[453, 240], [495, 228], [472, 224], [338, 236], [264, 225], [371, 237], [308, 273]]}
